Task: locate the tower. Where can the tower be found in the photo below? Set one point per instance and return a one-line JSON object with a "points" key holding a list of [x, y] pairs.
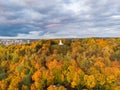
{"points": [[60, 43]]}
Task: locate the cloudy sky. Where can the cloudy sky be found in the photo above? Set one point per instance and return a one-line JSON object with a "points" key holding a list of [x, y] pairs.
{"points": [[59, 18]]}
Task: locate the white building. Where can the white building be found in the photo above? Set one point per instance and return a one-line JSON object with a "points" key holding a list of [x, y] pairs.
{"points": [[60, 43]]}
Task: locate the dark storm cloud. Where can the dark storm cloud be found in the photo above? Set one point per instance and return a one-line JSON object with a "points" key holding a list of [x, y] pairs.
{"points": [[59, 18]]}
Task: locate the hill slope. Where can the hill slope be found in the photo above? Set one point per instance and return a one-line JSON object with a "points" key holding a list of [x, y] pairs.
{"points": [[78, 64]]}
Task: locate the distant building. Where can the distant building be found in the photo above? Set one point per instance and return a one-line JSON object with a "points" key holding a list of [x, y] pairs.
{"points": [[60, 43], [10, 42], [28, 41]]}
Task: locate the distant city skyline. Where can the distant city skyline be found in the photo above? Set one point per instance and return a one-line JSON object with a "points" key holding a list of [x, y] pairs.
{"points": [[13, 41], [37, 19]]}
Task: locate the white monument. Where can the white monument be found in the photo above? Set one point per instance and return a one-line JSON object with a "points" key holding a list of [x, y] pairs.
{"points": [[60, 43]]}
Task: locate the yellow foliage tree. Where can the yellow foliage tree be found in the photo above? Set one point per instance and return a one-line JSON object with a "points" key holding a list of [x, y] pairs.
{"points": [[90, 81]]}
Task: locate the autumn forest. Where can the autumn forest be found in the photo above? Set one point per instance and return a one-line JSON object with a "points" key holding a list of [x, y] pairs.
{"points": [[78, 64]]}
